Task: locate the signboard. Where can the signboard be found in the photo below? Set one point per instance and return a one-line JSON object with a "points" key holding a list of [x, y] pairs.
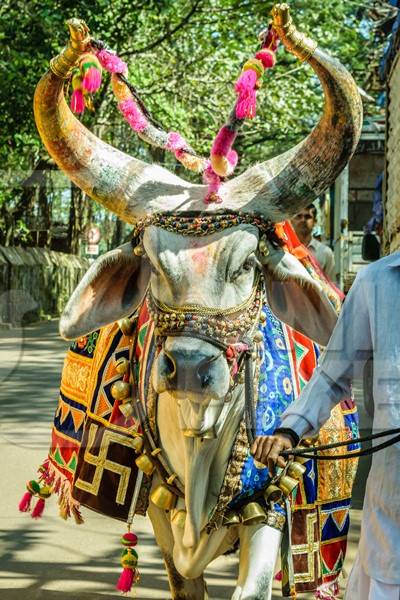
{"points": [[92, 249], [93, 235]]}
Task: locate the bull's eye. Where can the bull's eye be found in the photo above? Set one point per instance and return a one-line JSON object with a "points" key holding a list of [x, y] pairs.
{"points": [[246, 267]]}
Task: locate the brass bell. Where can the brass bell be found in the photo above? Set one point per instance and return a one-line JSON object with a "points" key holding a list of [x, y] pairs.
{"points": [[263, 247], [273, 493], [126, 409], [263, 317], [145, 464], [122, 366], [138, 250], [45, 492], [126, 325], [310, 441], [296, 470], [178, 518], [231, 518], [287, 484], [301, 459], [252, 514], [258, 337], [120, 390], [163, 497], [137, 443]]}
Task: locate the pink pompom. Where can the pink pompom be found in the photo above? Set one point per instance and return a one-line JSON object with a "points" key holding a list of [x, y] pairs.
{"points": [[92, 80], [126, 580], [233, 158], [111, 62], [223, 141], [77, 102], [133, 115], [267, 58], [25, 503], [38, 509], [245, 87], [175, 142], [278, 576]]}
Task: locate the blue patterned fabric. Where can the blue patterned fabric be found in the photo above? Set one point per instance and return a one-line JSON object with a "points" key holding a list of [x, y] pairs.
{"points": [[275, 393]]}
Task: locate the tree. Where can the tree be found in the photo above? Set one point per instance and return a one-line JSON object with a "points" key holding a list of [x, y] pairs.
{"points": [[183, 57]]}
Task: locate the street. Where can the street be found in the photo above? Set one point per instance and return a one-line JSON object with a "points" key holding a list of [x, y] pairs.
{"points": [[51, 559]]}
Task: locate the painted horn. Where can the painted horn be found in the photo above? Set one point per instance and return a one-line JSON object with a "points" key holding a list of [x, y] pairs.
{"points": [[284, 185], [128, 187]]}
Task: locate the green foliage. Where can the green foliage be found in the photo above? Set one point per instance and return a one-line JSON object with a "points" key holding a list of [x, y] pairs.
{"points": [[183, 57]]}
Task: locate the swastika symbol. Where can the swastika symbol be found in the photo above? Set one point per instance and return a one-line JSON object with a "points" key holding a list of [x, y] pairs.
{"points": [[102, 463]]}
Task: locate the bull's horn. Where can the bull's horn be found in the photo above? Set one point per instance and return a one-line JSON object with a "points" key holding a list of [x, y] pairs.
{"points": [[127, 186], [282, 186]]}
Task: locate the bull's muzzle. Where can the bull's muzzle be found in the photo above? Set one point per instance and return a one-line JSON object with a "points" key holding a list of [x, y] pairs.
{"points": [[193, 367]]}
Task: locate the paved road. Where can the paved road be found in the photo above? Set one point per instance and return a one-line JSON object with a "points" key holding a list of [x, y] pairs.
{"points": [[51, 559]]}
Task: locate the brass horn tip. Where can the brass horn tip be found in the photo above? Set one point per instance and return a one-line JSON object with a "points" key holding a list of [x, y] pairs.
{"points": [[280, 15], [77, 28]]}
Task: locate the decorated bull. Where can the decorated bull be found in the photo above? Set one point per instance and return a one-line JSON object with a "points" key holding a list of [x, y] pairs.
{"points": [[192, 340]]}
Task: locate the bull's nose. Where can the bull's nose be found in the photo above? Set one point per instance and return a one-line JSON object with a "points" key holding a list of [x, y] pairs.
{"points": [[187, 370]]}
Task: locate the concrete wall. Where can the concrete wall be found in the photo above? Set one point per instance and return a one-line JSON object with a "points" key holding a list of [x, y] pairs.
{"points": [[36, 283]]}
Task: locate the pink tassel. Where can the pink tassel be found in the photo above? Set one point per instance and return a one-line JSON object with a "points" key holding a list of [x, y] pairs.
{"points": [[267, 58], [126, 580], [25, 503], [77, 102], [175, 142], [223, 141], [92, 80], [233, 158], [38, 509], [245, 87], [278, 576], [111, 62], [214, 183], [133, 115]]}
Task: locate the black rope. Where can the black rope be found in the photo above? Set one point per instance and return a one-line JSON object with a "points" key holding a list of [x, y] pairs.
{"points": [[312, 451]]}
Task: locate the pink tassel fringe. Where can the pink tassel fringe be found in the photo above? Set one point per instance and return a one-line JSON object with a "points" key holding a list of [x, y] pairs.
{"points": [[62, 487], [133, 115], [111, 62], [245, 87], [25, 503], [126, 580], [77, 102], [175, 142], [39, 508], [92, 80]]}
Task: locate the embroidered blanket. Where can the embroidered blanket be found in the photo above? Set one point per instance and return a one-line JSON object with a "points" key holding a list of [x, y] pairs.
{"points": [[92, 463]]}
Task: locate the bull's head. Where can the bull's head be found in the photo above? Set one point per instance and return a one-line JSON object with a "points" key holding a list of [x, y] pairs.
{"points": [[216, 272]]}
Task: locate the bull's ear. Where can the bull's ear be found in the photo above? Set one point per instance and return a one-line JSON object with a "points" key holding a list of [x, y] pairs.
{"points": [[296, 298], [112, 288]]}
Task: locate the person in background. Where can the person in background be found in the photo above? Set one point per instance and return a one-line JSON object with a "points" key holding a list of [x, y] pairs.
{"points": [[304, 224]]}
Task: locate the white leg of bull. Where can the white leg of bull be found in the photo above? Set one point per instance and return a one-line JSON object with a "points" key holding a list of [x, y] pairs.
{"points": [[259, 547], [181, 588]]}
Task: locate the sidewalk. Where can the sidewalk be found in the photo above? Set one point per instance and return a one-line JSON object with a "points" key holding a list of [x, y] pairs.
{"points": [[50, 559]]}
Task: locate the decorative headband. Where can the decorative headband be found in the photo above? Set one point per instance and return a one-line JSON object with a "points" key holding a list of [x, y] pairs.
{"points": [[199, 224]]}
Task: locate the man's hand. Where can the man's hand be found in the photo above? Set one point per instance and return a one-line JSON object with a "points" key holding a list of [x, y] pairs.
{"points": [[266, 449]]}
